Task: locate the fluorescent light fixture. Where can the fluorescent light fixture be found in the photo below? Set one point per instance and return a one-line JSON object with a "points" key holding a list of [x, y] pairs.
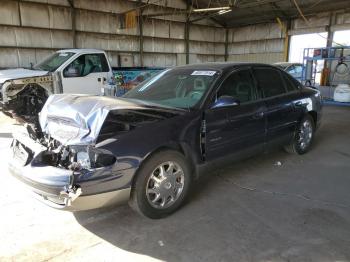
{"points": [[224, 8], [221, 12]]}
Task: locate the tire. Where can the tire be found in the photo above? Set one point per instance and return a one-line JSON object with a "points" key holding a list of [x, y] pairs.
{"points": [[155, 195], [303, 137]]}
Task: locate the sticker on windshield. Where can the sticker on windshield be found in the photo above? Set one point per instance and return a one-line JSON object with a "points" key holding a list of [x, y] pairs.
{"points": [[63, 54], [203, 73]]}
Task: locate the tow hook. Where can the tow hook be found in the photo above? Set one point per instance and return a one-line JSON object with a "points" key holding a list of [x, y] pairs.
{"points": [[70, 195]]}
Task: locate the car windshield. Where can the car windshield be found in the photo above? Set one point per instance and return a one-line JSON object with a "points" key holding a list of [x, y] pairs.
{"points": [[54, 61], [181, 88]]}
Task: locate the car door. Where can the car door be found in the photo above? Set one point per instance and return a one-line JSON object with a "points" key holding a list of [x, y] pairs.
{"points": [[86, 74], [280, 114], [236, 130]]}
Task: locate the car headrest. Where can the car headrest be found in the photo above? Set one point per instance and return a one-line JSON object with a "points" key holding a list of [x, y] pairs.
{"points": [[199, 85]]}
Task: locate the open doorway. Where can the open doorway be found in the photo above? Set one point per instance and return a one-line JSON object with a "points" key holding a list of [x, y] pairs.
{"points": [[341, 38], [299, 42]]}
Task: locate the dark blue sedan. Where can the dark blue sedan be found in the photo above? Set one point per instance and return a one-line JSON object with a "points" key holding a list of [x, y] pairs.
{"points": [[149, 146]]}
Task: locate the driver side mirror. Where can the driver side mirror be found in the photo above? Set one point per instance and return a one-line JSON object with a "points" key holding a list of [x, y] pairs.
{"points": [[71, 72], [225, 101]]}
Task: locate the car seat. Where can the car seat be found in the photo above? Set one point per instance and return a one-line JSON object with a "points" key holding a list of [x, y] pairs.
{"points": [[89, 67], [198, 89], [243, 92]]}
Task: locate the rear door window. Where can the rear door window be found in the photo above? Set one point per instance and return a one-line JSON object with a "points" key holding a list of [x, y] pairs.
{"points": [[291, 84], [269, 82]]}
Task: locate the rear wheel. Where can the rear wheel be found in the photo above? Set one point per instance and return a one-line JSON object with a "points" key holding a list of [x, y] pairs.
{"points": [[303, 136], [161, 185]]}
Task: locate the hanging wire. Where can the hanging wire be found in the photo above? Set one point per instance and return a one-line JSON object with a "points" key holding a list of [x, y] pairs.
{"points": [[309, 24]]}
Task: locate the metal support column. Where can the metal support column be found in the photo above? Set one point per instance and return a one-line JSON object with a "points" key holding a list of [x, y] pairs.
{"points": [[327, 63], [73, 12], [140, 24], [187, 33], [187, 41], [19, 12], [226, 44]]}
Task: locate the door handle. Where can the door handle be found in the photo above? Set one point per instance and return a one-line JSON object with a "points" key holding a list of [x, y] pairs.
{"points": [[298, 104], [258, 115]]}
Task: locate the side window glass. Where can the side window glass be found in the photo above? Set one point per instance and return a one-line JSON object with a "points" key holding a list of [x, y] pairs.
{"points": [[85, 65], [75, 68], [239, 85], [291, 70], [298, 71], [290, 85], [269, 82], [104, 63]]}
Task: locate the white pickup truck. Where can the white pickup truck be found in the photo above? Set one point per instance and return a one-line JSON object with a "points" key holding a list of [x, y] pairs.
{"points": [[23, 92]]}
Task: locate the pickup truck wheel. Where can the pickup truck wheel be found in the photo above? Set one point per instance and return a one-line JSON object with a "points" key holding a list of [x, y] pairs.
{"points": [[303, 137], [162, 185]]}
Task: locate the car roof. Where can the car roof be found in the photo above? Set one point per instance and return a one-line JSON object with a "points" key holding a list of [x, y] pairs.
{"points": [[81, 50], [286, 63], [221, 65]]}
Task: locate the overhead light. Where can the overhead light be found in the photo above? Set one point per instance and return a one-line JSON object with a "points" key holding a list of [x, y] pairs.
{"points": [[221, 12], [224, 8]]}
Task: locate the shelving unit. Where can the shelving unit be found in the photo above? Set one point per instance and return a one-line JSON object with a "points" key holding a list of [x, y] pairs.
{"points": [[312, 57]]}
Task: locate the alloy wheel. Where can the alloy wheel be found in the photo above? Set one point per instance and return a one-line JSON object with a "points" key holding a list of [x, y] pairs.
{"points": [[305, 134], [165, 185]]}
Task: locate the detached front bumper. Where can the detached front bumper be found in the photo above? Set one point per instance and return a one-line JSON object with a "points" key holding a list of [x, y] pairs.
{"points": [[58, 187]]}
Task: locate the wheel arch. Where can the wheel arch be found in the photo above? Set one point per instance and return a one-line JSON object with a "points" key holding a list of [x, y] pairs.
{"points": [[181, 148], [313, 114]]}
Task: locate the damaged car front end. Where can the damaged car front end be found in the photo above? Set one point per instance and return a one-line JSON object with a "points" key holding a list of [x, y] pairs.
{"points": [[70, 163]]}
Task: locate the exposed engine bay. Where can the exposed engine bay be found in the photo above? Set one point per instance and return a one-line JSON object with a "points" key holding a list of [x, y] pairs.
{"points": [[27, 103], [70, 157], [23, 99], [73, 136]]}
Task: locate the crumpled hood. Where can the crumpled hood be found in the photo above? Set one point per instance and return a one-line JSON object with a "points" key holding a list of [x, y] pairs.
{"points": [[77, 119], [9, 74]]}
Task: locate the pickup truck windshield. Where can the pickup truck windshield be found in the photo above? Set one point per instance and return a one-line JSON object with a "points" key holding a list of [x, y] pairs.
{"points": [[54, 61], [181, 88]]}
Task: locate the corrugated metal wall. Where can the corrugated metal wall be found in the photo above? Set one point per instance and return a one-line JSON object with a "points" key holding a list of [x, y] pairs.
{"points": [[32, 29], [259, 43], [265, 42]]}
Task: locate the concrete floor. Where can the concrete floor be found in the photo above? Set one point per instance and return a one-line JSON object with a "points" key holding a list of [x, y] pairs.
{"points": [[256, 210]]}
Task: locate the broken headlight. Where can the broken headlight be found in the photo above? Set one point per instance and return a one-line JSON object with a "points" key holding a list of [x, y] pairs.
{"points": [[86, 157]]}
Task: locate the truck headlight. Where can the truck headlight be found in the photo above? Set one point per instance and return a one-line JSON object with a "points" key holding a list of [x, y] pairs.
{"points": [[90, 157]]}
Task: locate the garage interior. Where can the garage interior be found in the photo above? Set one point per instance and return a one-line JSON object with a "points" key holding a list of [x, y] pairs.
{"points": [[272, 207]]}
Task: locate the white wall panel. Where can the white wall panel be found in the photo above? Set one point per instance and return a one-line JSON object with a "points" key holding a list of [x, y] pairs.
{"points": [[9, 57], [7, 36], [107, 42], [156, 28], [60, 17], [268, 58], [35, 15], [9, 13]]}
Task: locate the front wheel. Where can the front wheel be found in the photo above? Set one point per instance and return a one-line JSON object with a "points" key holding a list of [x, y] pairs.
{"points": [[303, 137], [161, 185]]}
